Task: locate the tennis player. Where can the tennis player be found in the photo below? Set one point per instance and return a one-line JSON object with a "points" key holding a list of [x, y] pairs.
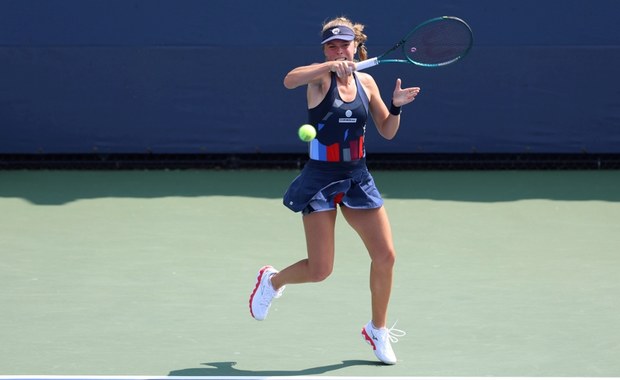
{"points": [[335, 176]]}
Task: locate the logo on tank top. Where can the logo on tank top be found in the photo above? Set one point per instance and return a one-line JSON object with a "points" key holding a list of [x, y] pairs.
{"points": [[348, 118]]}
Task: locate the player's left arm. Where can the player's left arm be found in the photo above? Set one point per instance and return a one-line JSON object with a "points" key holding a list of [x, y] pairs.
{"points": [[387, 124]]}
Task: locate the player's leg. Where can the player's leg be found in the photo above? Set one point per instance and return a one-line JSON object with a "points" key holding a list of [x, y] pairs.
{"points": [[319, 230], [374, 229]]}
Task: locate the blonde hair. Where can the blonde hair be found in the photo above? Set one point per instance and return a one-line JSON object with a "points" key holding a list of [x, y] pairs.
{"points": [[358, 29]]}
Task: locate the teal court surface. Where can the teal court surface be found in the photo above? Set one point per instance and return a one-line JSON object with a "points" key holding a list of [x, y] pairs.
{"points": [[133, 275]]}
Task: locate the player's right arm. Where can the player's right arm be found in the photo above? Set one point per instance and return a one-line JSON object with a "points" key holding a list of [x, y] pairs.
{"points": [[317, 77], [303, 75], [317, 73]]}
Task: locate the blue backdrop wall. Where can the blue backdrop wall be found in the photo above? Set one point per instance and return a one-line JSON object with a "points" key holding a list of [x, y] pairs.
{"points": [[205, 76]]}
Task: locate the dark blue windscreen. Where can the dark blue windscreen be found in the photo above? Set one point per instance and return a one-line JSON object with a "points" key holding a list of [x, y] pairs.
{"points": [[194, 76]]}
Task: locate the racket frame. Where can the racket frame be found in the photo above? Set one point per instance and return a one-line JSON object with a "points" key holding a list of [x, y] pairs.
{"points": [[379, 59]]}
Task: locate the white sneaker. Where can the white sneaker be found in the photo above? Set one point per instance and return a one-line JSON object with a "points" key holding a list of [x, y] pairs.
{"points": [[263, 293], [380, 340]]}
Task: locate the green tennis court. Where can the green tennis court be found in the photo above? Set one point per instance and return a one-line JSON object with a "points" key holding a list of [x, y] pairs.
{"points": [[134, 273]]}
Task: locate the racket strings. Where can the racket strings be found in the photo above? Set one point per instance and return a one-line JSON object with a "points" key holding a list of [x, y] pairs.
{"points": [[439, 42]]}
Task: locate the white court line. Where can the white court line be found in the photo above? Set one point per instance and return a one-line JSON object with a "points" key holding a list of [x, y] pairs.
{"points": [[103, 377]]}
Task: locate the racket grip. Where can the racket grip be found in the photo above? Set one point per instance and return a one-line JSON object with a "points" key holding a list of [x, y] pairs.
{"points": [[366, 64]]}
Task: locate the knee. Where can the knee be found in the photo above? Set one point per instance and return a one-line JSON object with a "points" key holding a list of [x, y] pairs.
{"points": [[385, 259], [319, 273]]}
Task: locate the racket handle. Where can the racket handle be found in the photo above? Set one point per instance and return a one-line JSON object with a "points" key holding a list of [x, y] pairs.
{"points": [[366, 64]]}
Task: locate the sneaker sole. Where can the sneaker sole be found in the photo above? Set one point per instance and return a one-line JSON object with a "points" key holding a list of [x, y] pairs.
{"points": [[368, 338], [258, 280]]}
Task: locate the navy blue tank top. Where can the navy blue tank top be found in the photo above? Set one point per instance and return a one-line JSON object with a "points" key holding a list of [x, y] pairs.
{"points": [[340, 125]]}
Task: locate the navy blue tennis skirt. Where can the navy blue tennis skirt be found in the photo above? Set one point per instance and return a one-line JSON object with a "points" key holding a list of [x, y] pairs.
{"points": [[323, 185]]}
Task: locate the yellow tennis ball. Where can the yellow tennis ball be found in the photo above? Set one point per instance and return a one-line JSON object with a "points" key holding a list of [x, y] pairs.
{"points": [[306, 132]]}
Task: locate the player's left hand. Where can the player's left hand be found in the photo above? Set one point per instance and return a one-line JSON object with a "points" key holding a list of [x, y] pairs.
{"points": [[402, 96]]}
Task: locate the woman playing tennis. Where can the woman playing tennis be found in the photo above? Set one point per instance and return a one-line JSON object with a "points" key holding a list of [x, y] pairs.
{"points": [[335, 176]]}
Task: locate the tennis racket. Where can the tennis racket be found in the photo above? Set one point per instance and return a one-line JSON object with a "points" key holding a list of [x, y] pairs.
{"points": [[436, 42]]}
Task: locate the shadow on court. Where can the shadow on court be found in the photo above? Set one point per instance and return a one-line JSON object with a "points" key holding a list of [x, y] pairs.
{"points": [[61, 187], [228, 369]]}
